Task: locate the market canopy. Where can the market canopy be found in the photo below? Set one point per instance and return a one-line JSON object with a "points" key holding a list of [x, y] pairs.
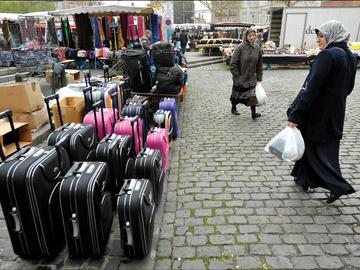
{"points": [[104, 11]]}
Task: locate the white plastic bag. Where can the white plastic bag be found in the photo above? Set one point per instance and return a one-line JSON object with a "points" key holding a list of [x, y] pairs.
{"points": [[287, 145], [260, 94]]}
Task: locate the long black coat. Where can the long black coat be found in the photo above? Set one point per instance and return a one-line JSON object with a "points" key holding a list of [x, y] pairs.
{"points": [[246, 66], [320, 111]]}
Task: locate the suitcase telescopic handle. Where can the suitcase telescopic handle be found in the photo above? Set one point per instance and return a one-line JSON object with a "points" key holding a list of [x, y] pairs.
{"points": [[133, 119], [96, 105], [113, 97], [87, 78], [85, 91], [47, 102], [8, 114], [106, 73]]}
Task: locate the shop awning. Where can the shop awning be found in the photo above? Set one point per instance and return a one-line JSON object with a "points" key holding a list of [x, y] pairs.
{"points": [[104, 11]]}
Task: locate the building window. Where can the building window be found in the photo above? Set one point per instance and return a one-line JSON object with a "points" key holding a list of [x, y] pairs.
{"points": [[260, 17], [244, 17], [232, 12], [244, 3], [253, 17]]}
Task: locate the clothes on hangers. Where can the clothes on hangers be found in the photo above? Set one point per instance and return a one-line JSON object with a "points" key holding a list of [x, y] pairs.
{"points": [[84, 31], [52, 31], [140, 25], [124, 27]]}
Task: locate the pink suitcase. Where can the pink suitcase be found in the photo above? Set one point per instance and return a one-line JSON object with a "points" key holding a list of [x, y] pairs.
{"points": [[159, 139], [131, 126], [110, 118]]}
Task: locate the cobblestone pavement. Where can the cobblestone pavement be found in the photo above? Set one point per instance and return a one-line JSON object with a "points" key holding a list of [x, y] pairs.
{"points": [[229, 205]]}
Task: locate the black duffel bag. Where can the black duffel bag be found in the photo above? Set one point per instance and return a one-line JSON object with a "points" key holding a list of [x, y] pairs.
{"points": [[138, 69], [163, 54], [169, 80]]}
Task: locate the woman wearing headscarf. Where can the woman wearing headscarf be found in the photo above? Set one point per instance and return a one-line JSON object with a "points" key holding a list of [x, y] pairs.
{"points": [[320, 112], [246, 68]]}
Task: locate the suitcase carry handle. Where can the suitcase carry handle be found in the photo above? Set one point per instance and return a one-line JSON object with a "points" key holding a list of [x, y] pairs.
{"points": [[58, 146], [15, 225], [96, 105], [8, 114], [47, 100], [73, 226]]}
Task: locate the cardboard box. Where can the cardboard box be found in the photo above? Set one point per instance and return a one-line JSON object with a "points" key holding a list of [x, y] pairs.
{"points": [[6, 139], [35, 119], [72, 110], [72, 75], [24, 97]]}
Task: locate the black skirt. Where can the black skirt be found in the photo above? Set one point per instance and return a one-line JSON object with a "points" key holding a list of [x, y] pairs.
{"points": [[319, 167]]}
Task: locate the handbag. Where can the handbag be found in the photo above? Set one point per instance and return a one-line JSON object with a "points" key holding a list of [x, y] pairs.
{"points": [[296, 100]]}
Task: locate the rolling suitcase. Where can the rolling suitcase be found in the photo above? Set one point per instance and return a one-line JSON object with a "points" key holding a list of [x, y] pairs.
{"points": [[163, 54], [149, 165], [116, 151], [136, 212], [29, 198], [131, 126], [158, 139], [81, 139], [164, 119], [86, 208], [169, 80], [169, 104]]}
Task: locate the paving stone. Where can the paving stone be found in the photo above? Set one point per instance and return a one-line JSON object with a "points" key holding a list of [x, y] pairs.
{"points": [[222, 239], [229, 229], [220, 265], [293, 238], [164, 248], [315, 228], [317, 238], [294, 228], [310, 250], [215, 220], [208, 251], [246, 238], [307, 262], [162, 264], [283, 250], [183, 252], [237, 219], [178, 241], [204, 230], [329, 262], [354, 261], [339, 228], [193, 265], [248, 228], [259, 249], [234, 250], [203, 212], [279, 262], [270, 239], [248, 262], [334, 249], [196, 240], [271, 228]]}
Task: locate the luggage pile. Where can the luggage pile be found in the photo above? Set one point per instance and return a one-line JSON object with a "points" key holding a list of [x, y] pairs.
{"points": [[115, 161], [169, 77]]}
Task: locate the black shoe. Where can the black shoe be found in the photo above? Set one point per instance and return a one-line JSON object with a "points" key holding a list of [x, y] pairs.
{"points": [[255, 115], [332, 198], [235, 112]]}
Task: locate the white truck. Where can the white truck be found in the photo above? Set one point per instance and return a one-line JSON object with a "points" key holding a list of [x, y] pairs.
{"points": [[298, 24]]}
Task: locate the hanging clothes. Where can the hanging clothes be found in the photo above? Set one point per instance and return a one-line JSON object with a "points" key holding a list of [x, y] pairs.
{"points": [[120, 38], [15, 34], [84, 31], [124, 27], [130, 21], [154, 28], [65, 35], [70, 40], [105, 30], [160, 28], [140, 25], [95, 26], [109, 23], [6, 33], [27, 29], [52, 31], [101, 31]]}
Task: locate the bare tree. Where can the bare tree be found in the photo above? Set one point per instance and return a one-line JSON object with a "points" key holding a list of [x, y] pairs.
{"points": [[219, 8]]}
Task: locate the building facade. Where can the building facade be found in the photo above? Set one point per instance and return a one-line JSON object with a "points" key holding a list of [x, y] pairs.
{"points": [[184, 12]]}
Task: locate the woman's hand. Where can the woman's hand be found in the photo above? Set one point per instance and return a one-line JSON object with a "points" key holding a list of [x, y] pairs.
{"points": [[291, 124]]}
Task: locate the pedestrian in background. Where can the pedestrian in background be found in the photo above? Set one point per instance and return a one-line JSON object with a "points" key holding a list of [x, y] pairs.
{"points": [[183, 41], [320, 112], [246, 68], [146, 40]]}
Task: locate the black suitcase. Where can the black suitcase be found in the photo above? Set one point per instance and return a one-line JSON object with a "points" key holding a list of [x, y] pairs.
{"points": [[139, 109], [116, 151], [29, 199], [163, 54], [169, 80], [149, 165], [86, 208], [138, 69], [136, 212], [82, 139]]}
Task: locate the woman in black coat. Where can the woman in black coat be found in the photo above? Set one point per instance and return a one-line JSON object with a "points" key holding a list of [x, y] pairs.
{"points": [[320, 112], [246, 68]]}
